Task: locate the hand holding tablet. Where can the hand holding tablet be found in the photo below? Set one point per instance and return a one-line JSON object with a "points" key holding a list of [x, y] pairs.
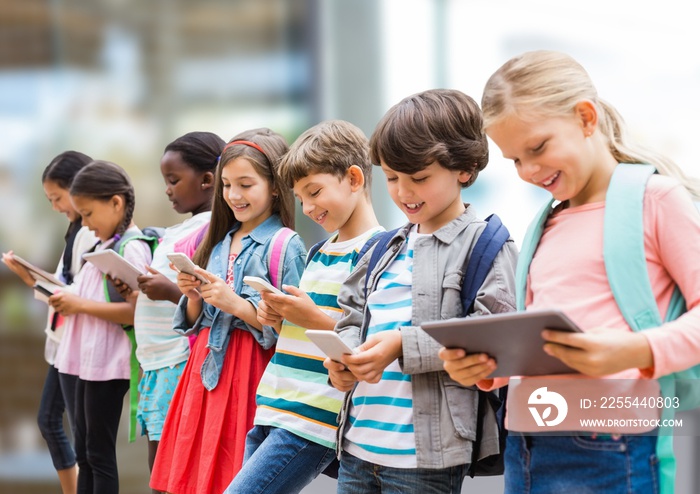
{"points": [[513, 339], [114, 265], [37, 273]]}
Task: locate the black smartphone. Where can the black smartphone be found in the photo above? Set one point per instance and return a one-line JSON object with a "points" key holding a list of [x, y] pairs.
{"points": [[42, 290]]}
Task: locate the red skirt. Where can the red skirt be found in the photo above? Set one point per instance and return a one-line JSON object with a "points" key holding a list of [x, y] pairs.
{"points": [[203, 440]]}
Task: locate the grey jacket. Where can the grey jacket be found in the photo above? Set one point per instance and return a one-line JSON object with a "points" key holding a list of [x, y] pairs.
{"points": [[444, 412]]}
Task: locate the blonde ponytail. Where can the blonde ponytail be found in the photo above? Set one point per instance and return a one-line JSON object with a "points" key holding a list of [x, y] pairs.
{"points": [[549, 83]]}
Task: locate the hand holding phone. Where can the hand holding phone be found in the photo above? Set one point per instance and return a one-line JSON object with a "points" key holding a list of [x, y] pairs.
{"points": [[261, 284], [330, 343], [185, 265]]}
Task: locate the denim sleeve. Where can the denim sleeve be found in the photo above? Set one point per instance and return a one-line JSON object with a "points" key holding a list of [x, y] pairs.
{"points": [[180, 325]]}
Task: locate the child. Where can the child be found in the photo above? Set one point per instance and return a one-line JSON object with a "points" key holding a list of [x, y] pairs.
{"points": [[543, 112], [187, 166], [56, 181], [405, 425], [95, 347], [295, 424], [203, 438]]}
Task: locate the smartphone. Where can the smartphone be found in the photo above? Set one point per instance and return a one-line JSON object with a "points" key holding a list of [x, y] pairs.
{"points": [[185, 265], [330, 343], [43, 290], [261, 284]]}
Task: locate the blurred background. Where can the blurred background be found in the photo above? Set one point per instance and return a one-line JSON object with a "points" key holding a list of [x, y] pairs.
{"points": [[120, 79]]}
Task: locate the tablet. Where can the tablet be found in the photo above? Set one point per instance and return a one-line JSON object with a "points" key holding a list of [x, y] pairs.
{"points": [[111, 263], [512, 339], [37, 273]]}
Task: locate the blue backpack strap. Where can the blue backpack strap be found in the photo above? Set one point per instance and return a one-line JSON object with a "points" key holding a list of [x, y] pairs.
{"points": [[313, 250], [381, 245], [492, 239], [623, 246], [527, 252], [368, 245]]}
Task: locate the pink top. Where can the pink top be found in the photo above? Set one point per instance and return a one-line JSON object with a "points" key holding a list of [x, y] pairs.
{"points": [[568, 273], [94, 349]]}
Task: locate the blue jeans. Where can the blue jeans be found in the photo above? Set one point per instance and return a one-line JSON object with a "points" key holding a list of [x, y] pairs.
{"points": [[581, 463], [277, 461], [359, 477], [50, 421]]}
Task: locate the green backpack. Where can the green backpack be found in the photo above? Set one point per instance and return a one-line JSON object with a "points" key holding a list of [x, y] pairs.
{"points": [[626, 268], [152, 237]]}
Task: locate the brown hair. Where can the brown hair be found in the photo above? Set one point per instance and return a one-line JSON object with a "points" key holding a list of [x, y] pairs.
{"points": [[102, 180], [332, 147], [265, 163], [442, 125]]}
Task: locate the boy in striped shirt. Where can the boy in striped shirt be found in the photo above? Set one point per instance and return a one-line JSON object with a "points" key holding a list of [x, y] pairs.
{"points": [[406, 426], [293, 439]]}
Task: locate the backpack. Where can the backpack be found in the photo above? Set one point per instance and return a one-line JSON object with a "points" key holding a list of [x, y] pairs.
{"points": [[492, 239], [151, 236], [275, 255], [368, 245], [626, 268], [332, 469]]}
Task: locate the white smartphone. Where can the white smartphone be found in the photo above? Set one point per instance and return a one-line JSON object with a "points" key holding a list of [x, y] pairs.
{"points": [[261, 284], [330, 343], [185, 265]]}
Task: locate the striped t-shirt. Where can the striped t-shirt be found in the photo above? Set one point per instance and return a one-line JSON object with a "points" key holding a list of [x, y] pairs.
{"points": [[157, 345], [294, 393], [381, 414]]}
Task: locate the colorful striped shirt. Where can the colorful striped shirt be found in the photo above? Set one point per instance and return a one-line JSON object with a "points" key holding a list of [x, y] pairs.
{"points": [[381, 414], [294, 393]]}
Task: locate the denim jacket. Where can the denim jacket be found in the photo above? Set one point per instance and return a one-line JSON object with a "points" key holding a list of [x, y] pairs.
{"points": [[252, 261], [444, 412]]}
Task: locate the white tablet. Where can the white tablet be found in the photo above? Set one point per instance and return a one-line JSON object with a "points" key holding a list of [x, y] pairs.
{"points": [[37, 273], [261, 285], [111, 263], [330, 343], [512, 339]]}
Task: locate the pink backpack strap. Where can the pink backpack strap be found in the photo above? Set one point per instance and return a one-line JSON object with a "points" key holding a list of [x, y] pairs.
{"points": [[188, 245], [275, 261]]}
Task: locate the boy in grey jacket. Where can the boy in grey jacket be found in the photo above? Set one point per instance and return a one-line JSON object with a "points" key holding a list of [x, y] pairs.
{"points": [[406, 426]]}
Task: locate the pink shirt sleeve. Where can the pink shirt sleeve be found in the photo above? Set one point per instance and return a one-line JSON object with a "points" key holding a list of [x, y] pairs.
{"points": [[491, 384], [672, 230]]}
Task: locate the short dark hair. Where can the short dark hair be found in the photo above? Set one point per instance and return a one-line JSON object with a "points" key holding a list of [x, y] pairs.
{"points": [[332, 147], [199, 150], [443, 125], [64, 167]]}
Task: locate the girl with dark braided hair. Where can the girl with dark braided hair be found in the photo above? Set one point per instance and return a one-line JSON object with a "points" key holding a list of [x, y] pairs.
{"points": [[95, 347]]}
